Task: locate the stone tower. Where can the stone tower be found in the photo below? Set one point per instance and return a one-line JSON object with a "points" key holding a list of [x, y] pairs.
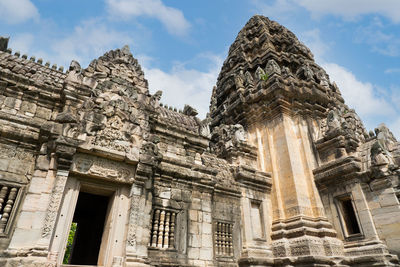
{"points": [[305, 136], [94, 170]]}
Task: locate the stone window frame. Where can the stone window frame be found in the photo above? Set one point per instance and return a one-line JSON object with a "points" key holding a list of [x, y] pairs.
{"points": [[11, 222], [338, 200], [260, 206], [176, 227], [214, 226]]}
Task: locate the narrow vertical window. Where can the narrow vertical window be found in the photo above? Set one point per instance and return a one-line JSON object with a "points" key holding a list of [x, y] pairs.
{"points": [[350, 225]]}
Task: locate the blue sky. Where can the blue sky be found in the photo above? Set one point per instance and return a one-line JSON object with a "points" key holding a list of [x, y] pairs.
{"points": [[181, 44]]}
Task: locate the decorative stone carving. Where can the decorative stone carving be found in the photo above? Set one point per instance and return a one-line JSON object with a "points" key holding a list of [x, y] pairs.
{"points": [[385, 137], [334, 122], [54, 204], [286, 72], [104, 168], [272, 67], [323, 79], [155, 99], [305, 72], [228, 136], [190, 111], [249, 81], [239, 80], [260, 73]]}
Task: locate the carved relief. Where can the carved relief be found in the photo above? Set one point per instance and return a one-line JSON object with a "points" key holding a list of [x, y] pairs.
{"points": [[54, 204], [101, 167]]}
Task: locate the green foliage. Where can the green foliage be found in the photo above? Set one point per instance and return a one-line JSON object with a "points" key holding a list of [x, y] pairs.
{"points": [[264, 77], [71, 238]]}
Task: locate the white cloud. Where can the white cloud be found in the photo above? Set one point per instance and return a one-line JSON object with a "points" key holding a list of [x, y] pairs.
{"points": [[22, 42], [89, 40], [354, 8], [347, 9], [183, 85], [17, 11], [359, 95], [374, 34], [372, 103], [313, 40], [172, 18]]}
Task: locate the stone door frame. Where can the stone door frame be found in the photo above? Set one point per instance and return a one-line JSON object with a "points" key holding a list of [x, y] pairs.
{"points": [[116, 217]]}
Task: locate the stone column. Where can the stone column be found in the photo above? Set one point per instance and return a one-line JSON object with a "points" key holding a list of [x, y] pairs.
{"points": [[299, 226]]}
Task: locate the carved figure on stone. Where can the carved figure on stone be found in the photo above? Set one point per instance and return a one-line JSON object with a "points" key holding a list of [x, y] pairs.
{"points": [[333, 120], [248, 79], [385, 137], [239, 80], [149, 153], [239, 133], [305, 72], [227, 136], [260, 73], [205, 126], [272, 67], [155, 99], [323, 79], [286, 72], [382, 163]]}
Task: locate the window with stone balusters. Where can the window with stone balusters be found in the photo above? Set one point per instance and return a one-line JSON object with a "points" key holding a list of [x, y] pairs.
{"points": [[8, 199], [223, 239], [163, 229]]}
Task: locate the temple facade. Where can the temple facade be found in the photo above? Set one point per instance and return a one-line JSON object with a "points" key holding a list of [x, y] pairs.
{"points": [[95, 171]]}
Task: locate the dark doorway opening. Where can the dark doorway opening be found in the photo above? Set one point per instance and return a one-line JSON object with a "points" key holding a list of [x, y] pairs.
{"points": [[349, 217], [89, 218]]}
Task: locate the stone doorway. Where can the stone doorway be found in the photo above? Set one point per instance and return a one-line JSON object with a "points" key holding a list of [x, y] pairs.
{"points": [[88, 223], [101, 209]]}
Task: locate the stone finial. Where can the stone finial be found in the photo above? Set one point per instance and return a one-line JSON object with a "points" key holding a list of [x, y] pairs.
{"points": [[190, 111], [47, 64], [32, 59], [126, 50], [25, 56], [17, 54], [155, 99], [4, 43], [75, 66], [40, 61]]}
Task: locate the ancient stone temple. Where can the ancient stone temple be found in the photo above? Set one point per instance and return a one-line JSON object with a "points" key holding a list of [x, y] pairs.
{"points": [[94, 170]]}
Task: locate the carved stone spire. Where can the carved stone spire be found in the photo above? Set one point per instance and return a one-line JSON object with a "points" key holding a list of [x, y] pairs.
{"points": [[281, 68]]}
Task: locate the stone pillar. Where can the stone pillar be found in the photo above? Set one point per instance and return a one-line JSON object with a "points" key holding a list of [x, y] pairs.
{"points": [[299, 226]]}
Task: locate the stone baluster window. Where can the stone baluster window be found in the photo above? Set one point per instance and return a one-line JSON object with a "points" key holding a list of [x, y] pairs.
{"points": [[224, 239], [8, 196], [163, 229]]}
